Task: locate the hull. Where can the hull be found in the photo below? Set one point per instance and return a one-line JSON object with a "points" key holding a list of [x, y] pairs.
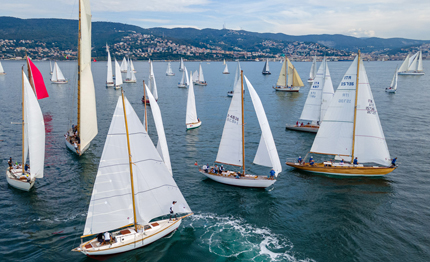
{"points": [[226, 73], [229, 178], [172, 74], [344, 171], [2, 74], [72, 148], [147, 101], [60, 82], [411, 73], [287, 89], [389, 90], [194, 125], [109, 84], [182, 86], [310, 80], [20, 184], [117, 87], [306, 128], [201, 83], [266, 73], [230, 94], [123, 71], [130, 81], [128, 239]]}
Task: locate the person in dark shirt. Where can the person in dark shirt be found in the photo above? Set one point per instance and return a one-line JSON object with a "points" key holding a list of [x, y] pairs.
{"points": [[393, 162], [10, 163], [299, 160], [355, 161]]}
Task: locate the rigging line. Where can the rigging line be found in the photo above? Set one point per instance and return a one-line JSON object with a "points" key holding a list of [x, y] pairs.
{"points": [[134, 162]]}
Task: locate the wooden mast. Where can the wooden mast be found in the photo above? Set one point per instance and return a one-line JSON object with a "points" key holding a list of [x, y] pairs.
{"points": [[243, 123], [129, 160], [355, 106], [79, 76], [23, 130], [144, 98]]}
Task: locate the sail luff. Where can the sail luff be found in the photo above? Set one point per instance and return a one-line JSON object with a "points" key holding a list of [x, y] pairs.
{"points": [[118, 75], [243, 122], [54, 73], [188, 80], [24, 144], [327, 91], [201, 77], [357, 84]]}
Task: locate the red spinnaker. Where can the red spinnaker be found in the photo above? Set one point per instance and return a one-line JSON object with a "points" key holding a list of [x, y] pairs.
{"points": [[36, 79]]}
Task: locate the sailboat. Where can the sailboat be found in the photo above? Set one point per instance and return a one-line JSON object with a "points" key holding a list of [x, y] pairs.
{"points": [[313, 71], [50, 66], [1, 70], [33, 132], [288, 80], [109, 78], [132, 66], [393, 87], [57, 75], [124, 65], [413, 65], [226, 70], [118, 76], [195, 76], [317, 102], [224, 61], [236, 80], [232, 146], [130, 77], [133, 190], [79, 140], [185, 80], [266, 70], [351, 130], [169, 71], [152, 85], [181, 65], [191, 119], [201, 80]]}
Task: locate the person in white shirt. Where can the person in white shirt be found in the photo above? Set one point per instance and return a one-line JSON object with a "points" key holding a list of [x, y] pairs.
{"points": [[107, 237], [171, 210]]}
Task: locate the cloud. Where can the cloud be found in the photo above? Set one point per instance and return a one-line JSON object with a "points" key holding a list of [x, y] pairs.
{"points": [[186, 6], [160, 21]]}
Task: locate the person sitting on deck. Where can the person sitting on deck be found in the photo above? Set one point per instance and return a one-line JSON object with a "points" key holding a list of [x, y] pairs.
{"points": [[393, 162], [171, 210], [342, 162], [100, 238], [221, 169], [301, 124], [238, 175], [26, 168], [299, 160], [107, 238], [205, 168], [9, 162], [355, 161], [216, 169], [272, 174], [311, 159], [297, 123], [311, 162], [76, 147]]}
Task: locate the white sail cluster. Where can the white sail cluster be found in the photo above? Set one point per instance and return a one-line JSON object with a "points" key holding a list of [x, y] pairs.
{"points": [[412, 64], [57, 75]]}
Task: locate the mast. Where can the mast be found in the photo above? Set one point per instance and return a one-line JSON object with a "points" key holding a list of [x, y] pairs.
{"points": [[243, 123], [355, 106], [79, 76], [23, 141], [144, 98], [129, 159]]}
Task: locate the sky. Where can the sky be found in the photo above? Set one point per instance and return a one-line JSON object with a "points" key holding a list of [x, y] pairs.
{"points": [[361, 18]]}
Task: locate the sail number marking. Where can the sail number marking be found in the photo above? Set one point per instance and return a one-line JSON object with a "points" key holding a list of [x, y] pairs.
{"points": [[233, 119]]}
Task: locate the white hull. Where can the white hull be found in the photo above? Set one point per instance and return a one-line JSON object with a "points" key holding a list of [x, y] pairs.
{"points": [[172, 74], [60, 82], [132, 240], [201, 83], [411, 73], [287, 89], [182, 86], [345, 175], [226, 73], [194, 125], [309, 129], [129, 81], [72, 148], [18, 184], [229, 178], [230, 94], [123, 71], [390, 90], [110, 84], [117, 87], [310, 80]]}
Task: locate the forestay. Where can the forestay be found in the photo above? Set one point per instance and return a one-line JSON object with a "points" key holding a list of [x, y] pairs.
{"points": [[266, 155], [111, 201], [88, 117], [191, 114]]}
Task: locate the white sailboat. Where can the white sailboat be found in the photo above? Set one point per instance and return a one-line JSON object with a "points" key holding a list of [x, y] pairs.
{"points": [[226, 70], [317, 102], [132, 66], [50, 66], [266, 70], [393, 86], [191, 119], [133, 205], [79, 140], [1, 70], [169, 71], [130, 77], [232, 146], [413, 65], [201, 80], [236, 80], [224, 61], [288, 80], [109, 78], [195, 76], [57, 76], [124, 65], [313, 72], [118, 76], [351, 130], [33, 141], [181, 65], [185, 80], [152, 85]]}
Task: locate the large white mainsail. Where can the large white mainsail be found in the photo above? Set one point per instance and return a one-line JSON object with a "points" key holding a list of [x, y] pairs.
{"points": [[201, 77], [226, 70], [191, 114], [124, 65], [34, 132], [266, 155], [132, 66], [266, 66], [109, 78], [88, 114], [413, 62], [181, 65], [328, 91], [313, 72], [118, 76], [154, 187], [130, 77], [282, 79], [188, 79], [152, 83], [230, 148], [162, 147], [169, 71], [195, 76], [420, 62], [405, 65]]}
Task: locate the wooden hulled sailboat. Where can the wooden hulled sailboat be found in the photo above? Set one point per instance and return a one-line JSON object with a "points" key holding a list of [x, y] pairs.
{"points": [[118, 75], [185, 80], [226, 72], [152, 85], [130, 77], [169, 71], [134, 205], [313, 72], [393, 86], [413, 65], [79, 137], [201, 79], [33, 132], [288, 80], [351, 129], [266, 70], [109, 78], [317, 102], [181, 65], [57, 76], [191, 119], [232, 146], [124, 64]]}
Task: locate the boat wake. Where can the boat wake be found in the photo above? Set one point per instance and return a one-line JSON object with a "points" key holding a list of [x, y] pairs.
{"points": [[234, 237]]}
